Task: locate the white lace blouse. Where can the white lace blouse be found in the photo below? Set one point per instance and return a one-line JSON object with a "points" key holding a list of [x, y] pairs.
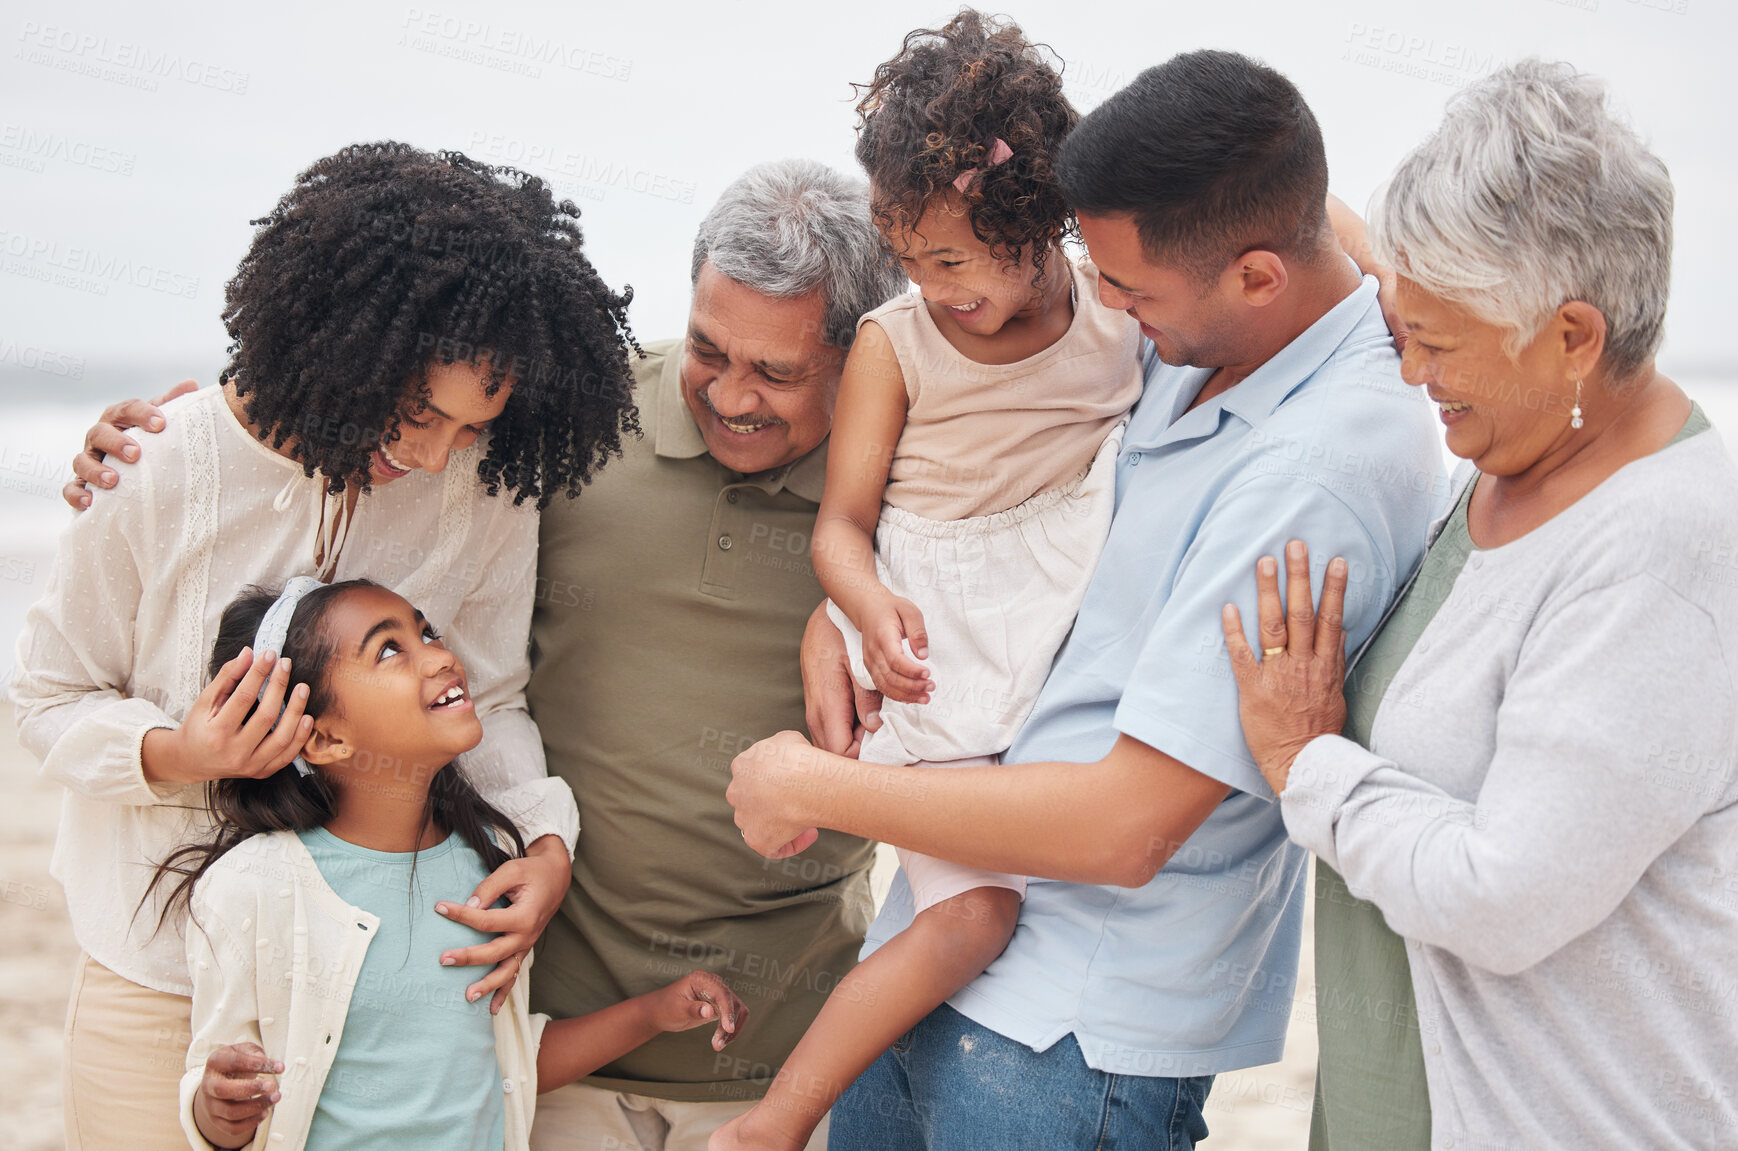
{"points": [[119, 643]]}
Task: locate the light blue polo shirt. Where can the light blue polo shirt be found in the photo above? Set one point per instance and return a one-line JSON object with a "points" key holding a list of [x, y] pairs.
{"points": [[1193, 974]]}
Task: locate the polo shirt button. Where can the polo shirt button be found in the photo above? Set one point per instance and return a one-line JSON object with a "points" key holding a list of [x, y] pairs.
{"points": [[277, 1136], [301, 1061], [285, 893], [1134, 460], [730, 496], [724, 543], [268, 1020], [1422, 646], [507, 1086], [1477, 561], [1435, 1047]]}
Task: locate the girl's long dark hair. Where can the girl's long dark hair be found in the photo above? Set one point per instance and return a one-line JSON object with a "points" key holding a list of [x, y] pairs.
{"points": [[288, 800]]}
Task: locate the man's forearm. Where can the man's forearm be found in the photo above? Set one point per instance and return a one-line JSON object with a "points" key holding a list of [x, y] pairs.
{"points": [[1114, 821]]}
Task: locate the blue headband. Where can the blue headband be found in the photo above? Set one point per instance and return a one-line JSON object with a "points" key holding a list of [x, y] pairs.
{"points": [[275, 628]]}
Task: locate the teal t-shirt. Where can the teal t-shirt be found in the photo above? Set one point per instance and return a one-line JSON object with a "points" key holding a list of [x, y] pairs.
{"points": [[415, 1065]]}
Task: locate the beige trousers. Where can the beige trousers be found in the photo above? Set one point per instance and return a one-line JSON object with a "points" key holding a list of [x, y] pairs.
{"points": [[580, 1117], [126, 1047]]}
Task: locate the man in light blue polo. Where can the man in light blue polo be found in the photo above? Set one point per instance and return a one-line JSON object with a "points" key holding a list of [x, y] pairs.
{"points": [[1273, 410]]}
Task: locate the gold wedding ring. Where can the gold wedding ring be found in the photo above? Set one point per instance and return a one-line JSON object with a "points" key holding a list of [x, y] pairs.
{"points": [[1267, 651]]}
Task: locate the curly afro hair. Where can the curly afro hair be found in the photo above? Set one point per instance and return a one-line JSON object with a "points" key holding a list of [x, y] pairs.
{"points": [[385, 259], [939, 106]]}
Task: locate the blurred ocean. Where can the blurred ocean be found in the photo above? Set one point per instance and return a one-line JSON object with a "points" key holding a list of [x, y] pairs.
{"points": [[43, 418]]}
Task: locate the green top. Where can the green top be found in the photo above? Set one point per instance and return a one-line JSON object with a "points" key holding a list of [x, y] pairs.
{"points": [[672, 595], [1370, 1090], [415, 1065]]}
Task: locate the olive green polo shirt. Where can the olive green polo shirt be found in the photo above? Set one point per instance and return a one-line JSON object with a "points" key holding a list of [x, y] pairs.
{"points": [[671, 600]]}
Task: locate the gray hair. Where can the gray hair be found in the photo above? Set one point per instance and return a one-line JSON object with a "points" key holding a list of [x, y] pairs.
{"points": [[790, 227], [1531, 194]]}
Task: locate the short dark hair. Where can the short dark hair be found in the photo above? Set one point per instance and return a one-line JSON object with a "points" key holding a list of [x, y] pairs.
{"points": [[1212, 154]]}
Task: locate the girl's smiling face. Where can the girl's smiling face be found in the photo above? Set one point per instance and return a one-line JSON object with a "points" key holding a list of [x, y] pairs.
{"points": [[962, 282], [400, 701]]}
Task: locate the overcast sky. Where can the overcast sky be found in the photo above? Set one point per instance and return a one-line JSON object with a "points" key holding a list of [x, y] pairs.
{"points": [[135, 146]]}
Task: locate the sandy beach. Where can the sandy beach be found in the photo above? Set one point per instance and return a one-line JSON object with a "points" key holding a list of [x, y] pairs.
{"points": [[1261, 1109]]}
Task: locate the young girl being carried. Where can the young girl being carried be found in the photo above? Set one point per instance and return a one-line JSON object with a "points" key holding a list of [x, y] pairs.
{"points": [[969, 491], [321, 1018]]}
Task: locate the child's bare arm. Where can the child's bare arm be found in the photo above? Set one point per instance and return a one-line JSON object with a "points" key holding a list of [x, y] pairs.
{"points": [[1354, 239], [867, 421], [575, 1047]]}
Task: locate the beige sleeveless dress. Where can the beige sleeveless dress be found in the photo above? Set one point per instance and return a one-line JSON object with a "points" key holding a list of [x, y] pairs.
{"points": [[998, 502]]}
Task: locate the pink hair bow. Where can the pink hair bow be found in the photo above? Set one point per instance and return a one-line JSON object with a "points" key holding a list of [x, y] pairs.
{"points": [[1000, 152]]}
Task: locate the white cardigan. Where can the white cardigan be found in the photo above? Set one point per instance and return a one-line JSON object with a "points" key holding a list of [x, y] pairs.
{"points": [[275, 954], [119, 643]]}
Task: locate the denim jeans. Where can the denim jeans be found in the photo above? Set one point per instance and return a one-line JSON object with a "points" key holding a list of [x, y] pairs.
{"points": [[950, 1085]]}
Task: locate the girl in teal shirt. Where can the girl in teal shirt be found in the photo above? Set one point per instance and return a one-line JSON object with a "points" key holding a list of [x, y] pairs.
{"points": [[321, 1016]]}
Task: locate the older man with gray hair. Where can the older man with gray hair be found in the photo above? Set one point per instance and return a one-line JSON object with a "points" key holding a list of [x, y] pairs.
{"points": [[672, 598], [671, 601]]}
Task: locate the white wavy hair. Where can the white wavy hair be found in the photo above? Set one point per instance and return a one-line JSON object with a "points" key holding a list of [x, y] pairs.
{"points": [[791, 227], [1533, 193]]}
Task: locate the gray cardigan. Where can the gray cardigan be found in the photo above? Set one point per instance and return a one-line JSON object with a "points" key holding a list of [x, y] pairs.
{"points": [[1548, 816]]}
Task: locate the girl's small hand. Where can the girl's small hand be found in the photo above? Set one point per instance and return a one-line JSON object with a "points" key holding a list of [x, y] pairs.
{"points": [[1296, 690], [887, 624], [235, 1094], [695, 1000], [534, 886], [219, 740]]}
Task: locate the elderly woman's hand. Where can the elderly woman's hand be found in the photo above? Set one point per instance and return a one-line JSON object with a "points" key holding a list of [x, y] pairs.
{"points": [[1296, 690]]}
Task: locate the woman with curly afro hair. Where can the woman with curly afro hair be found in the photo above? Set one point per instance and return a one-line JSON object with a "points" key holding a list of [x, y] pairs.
{"points": [[421, 357]]}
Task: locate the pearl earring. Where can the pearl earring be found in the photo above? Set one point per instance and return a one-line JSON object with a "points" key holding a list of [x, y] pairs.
{"points": [[1575, 412]]}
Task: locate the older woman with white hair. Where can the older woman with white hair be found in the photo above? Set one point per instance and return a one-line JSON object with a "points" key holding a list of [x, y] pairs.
{"points": [[1535, 785]]}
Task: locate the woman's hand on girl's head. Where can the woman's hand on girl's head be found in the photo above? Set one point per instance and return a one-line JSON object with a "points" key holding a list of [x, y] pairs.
{"points": [[888, 623], [695, 1000], [534, 887], [219, 740], [1296, 690], [235, 1094]]}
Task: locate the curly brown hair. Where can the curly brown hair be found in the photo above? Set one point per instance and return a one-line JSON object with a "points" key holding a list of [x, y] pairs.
{"points": [[385, 259], [937, 109]]}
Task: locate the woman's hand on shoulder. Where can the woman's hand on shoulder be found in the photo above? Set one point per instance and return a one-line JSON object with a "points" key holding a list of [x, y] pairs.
{"points": [[220, 740], [534, 886], [695, 1000], [1296, 690], [108, 437], [238, 1089]]}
